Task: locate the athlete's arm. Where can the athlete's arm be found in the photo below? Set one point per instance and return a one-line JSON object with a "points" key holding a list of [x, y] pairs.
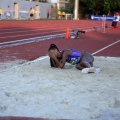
{"points": [[63, 61], [66, 53], [53, 62], [58, 64]]}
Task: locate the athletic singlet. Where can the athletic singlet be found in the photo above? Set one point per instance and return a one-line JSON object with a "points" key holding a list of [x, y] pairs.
{"points": [[74, 57]]}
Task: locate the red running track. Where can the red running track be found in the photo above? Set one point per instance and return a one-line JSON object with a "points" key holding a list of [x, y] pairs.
{"points": [[95, 42], [10, 31], [90, 41]]}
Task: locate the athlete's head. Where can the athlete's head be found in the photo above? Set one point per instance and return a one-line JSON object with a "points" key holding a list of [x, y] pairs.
{"points": [[53, 49]]}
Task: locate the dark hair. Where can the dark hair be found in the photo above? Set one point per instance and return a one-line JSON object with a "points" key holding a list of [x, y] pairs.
{"points": [[53, 47]]}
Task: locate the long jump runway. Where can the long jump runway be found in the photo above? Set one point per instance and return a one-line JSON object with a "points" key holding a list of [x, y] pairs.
{"points": [[30, 89]]}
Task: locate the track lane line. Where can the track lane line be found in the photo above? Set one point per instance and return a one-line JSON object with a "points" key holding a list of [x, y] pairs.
{"points": [[35, 39], [106, 47], [51, 28], [38, 33]]}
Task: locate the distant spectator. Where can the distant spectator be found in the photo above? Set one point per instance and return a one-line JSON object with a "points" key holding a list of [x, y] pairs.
{"points": [[0, 13], [115, 20], [59, 14], [31, 14], [48, 13], [8, 12], [117, 16], [63, 14]]}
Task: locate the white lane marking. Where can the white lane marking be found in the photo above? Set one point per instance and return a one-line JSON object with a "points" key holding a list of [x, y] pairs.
{"points": [[39, 28], [47, 26], [29, 40], [32, 34], [19, 30], [41, 33], [105, 47], [53, 28], [38, 32]]}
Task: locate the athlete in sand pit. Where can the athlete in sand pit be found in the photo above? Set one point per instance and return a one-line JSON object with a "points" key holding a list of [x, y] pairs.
{"points": [[82, 60]]}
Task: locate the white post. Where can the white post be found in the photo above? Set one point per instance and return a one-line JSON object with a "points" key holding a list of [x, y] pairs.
{"points": [[76, 9], [104, 26], [104, 19]]}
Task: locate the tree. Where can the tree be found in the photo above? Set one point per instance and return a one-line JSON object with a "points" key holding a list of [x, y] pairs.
{"points": [[98, 7], [70, 6]]}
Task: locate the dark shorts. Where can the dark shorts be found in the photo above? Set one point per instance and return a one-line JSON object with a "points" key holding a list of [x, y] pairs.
{"points": [[87, 57], [0, 14], [31, 15], [114, 23]]}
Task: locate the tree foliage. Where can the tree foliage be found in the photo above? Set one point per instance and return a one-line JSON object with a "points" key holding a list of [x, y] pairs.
{"points": [[70, 6], [96, 6]]}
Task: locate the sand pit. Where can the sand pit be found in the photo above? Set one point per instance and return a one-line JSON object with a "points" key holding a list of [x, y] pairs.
{"points": [[34, 89]]}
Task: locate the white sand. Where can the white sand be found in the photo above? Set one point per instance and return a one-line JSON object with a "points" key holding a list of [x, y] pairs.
{"points": [[34, 89]]}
